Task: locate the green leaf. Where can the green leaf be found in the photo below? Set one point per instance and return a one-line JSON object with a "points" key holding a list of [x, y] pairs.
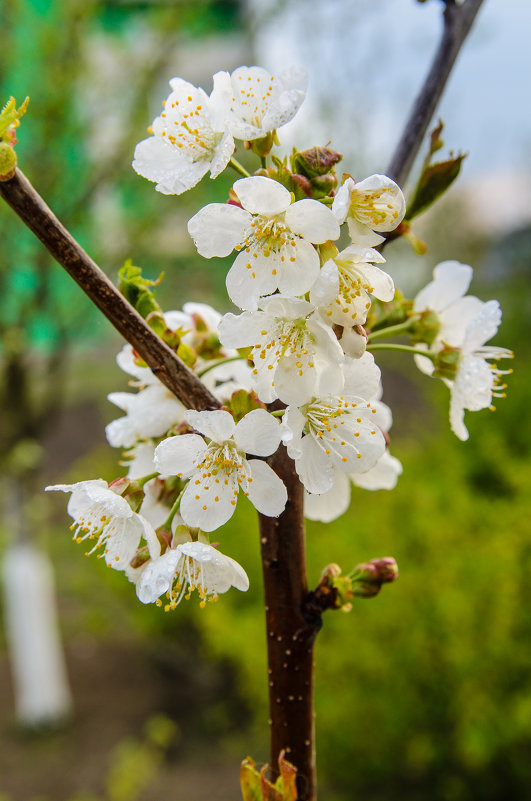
{"points": [[433, 182], [136, 289]]}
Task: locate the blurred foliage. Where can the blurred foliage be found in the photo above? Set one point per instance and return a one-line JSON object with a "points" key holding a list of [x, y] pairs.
{"points": [[423, 692]]}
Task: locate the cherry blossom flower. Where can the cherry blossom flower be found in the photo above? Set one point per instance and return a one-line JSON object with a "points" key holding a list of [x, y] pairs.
{"points": [[345, 283], [465, 324], [101, 514], [477, 381], [149, 413], [374, 204], [189, 138], [362, 376], [274, 237], [292, 348], [153, 410], [219, 469], [259, 102], [187, 567], [329, 434]]}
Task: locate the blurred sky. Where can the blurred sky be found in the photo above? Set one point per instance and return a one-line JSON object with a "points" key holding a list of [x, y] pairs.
{"points": [[366, 61]]}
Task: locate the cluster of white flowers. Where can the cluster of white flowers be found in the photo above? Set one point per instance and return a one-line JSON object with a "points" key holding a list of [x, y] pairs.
{"points": [[302, 340]]}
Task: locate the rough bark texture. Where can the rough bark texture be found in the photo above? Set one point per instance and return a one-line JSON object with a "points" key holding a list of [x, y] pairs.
{"points": [[457, 23], [27, 203], [291, 630]]}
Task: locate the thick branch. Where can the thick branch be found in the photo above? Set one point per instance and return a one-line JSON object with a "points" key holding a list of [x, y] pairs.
{"points": [[291, 631], [457, 23], [30, 207]]}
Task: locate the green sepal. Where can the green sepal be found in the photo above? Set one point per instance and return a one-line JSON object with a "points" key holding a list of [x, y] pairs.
{"points": [[426, 329], [241, 403], [186, 354], [262, 146], [446, 363], [136, 289]]}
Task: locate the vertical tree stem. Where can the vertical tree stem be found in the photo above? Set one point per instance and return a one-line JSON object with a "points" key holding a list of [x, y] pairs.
{"points": [[457, 23], [291, 632]]}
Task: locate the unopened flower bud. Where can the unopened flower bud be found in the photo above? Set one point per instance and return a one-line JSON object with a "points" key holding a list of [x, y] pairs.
{"points": [[315, 161], [140, 558], [323, 185], [8, 161], [303, 185], [187, 354], [368, 577]]}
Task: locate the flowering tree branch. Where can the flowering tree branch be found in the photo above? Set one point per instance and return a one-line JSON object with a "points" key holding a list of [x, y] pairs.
{"points": [[33, 211], [457, 21]]}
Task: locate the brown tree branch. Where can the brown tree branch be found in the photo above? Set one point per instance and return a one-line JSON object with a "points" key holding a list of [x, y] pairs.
{"points": [[457, 23], [291, 631], [31, 208]]}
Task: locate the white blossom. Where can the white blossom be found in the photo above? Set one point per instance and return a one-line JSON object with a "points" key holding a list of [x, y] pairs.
{"points": [[466, 324], [187, 567], [259, 102], [189, 138], [346, 281], [274, 237], [149, 413], [362, 376], [477, 381], [329, 434], [219, 469], [101, 514], [374, 204], [292, 348]]}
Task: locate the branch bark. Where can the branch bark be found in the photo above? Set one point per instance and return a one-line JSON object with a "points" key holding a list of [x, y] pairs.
{"points": [[291, 631], [457, 21], [33, 211]]}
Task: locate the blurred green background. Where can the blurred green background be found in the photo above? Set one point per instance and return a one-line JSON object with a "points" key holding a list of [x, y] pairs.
{"points": [[423, 692]]}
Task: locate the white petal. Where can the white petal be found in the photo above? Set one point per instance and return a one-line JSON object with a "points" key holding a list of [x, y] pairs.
{"points": [[451, 281], [383, 475], [267, 492], [293, 422], [157, 577], [326, 288], [341, 203], [222, 155], [179, 455], [261, 195], [294, 385], [208, 505], [217, 228], [362, 234], [482, 327], [314, 469], [258, 433], [217, 425], [160, 162], [251, 278], [329, 505], [362, 376], [297, 277], [312, 220], [242, 330]]}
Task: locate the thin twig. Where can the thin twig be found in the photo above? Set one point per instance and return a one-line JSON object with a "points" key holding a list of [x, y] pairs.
{"points": [[30, 207], [457, 23]]}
